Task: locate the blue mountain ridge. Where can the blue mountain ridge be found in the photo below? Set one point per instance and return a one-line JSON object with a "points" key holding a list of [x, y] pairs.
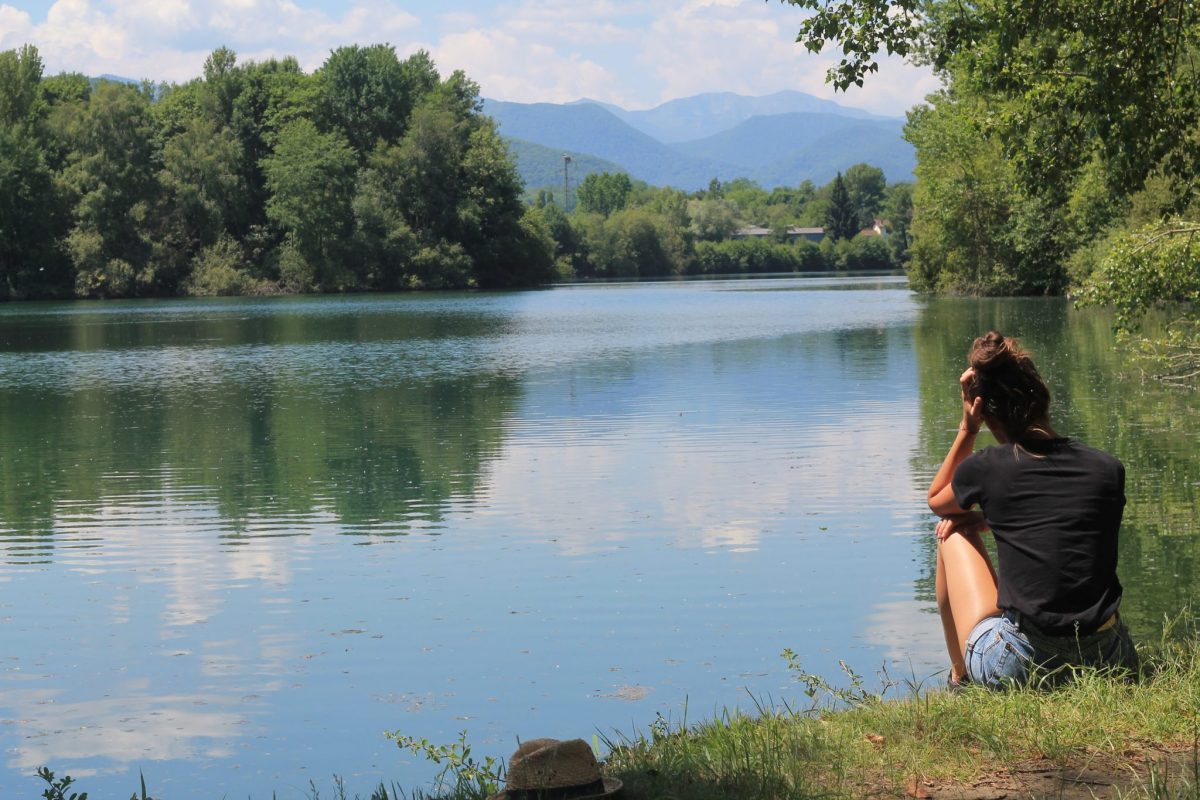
{"points": [[588, 128], [702, 115], [772, 149]]}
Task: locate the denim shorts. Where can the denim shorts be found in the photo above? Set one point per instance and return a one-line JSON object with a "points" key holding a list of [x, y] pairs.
{"points": [[1002, 652]]}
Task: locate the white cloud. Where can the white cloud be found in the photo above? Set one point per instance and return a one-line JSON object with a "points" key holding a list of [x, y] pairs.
{"points": [[15, 27], [636, 54], [749, 47], [169, 39], [133, 727], [528, 71], [642, 54], [76, 26]]}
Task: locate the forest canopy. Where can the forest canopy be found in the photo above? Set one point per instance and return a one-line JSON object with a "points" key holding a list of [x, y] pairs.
{"points": [[370, 173]]}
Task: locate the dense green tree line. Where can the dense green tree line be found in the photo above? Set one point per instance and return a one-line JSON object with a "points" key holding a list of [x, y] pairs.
{"points": [[1062, 154], [371, 173], [620, 228]]}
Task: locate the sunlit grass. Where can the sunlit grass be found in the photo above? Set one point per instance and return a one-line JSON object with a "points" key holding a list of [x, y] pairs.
{"points": [[853, 743], [1141, 733]]}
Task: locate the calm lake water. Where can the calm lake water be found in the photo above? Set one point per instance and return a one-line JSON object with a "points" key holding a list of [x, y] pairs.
{"points": [[240, 539]]}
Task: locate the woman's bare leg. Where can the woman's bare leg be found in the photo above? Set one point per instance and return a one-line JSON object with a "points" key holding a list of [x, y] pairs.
{"points": [[965, 585]]}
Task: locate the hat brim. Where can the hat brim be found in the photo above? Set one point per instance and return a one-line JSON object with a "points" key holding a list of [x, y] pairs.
{"points": [[612, 788]]}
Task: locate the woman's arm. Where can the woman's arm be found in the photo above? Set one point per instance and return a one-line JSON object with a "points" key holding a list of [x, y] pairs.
{"points": [[941, 496]]}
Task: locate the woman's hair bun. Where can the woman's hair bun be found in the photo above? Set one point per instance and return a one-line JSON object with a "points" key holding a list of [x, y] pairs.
{"points": [[992, 350], [1014, 394]]}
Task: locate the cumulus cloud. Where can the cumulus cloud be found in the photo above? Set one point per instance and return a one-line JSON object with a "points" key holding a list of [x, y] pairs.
{"points": [[510, 68], [15, 27], [641, 54], [750, 48], [636, 54], [169, 39]]}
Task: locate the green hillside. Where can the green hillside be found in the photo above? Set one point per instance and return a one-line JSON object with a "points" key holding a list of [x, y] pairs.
{"points": [[832, 153], [784, 148]]}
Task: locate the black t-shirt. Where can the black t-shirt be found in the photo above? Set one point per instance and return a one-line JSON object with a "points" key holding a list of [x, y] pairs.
{"points": [[1054, 506]]}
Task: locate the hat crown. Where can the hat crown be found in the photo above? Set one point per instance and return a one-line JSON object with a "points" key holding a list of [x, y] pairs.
{"points": [[552, 764]]}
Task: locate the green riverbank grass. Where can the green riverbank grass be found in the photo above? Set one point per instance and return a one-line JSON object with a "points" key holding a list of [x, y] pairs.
{"points": [[1100, 736]]}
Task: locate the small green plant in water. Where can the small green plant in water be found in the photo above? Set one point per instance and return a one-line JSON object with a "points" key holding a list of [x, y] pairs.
{"points": [[57, 789], [855, 695], [461, 776]]}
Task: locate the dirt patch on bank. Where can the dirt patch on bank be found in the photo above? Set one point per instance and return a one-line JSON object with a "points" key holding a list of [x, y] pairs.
{"points": [[1089, 777]]}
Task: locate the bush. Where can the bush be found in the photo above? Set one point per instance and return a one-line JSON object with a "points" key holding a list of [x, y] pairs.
{"points": [[756, 256], [865, 252], [296, 273], [217, 271]]}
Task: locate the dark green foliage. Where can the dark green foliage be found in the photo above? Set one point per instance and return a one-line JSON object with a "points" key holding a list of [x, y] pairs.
{"points": [[57, 787], [898, 212], [662, 231], [841, 218], [20, 76], [111, 177], [751, 256], [1064, 128], [865, 185], [32, 218], [604, 192], [310, 177], [369, 94], [373, 173]]}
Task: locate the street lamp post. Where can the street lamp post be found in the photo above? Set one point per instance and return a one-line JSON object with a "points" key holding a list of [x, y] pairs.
{"points": [[566, 184]]}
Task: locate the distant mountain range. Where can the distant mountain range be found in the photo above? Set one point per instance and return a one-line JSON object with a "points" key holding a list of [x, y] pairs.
{"points": [[776, 140], [706, 114]]}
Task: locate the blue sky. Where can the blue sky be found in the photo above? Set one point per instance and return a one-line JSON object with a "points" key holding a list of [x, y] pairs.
{"points": [[635, 54]]}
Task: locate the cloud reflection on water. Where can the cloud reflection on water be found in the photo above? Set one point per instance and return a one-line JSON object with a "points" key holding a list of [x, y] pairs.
{"points": [[110, 732]]}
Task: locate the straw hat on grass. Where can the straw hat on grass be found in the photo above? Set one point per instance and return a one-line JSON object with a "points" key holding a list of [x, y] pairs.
{"points": [[547, 769]]}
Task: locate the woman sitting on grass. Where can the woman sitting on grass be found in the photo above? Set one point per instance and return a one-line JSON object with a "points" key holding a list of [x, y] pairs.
{"points": [[1054, 506]]}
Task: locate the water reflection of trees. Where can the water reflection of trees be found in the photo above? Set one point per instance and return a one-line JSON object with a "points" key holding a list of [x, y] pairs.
{"points": [[1100, 398], [379, 451]]}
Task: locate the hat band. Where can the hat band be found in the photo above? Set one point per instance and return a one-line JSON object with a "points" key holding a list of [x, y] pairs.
{"points": [[558, 792]]}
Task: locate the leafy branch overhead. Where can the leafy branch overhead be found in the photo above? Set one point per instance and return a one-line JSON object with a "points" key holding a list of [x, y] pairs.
{"points": [[863, 28], [1062, 151], [1075, 78]]}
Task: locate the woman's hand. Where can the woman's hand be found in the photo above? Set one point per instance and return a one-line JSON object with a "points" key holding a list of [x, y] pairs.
{"points": [[972, 408], [941, 494], [971, 523]]}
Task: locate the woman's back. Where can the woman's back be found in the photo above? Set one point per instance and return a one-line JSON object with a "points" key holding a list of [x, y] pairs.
{"points": [[1054, 507]]}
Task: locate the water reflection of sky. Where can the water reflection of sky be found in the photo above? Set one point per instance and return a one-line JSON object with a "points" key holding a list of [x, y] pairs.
{"points": [[683, 486]]}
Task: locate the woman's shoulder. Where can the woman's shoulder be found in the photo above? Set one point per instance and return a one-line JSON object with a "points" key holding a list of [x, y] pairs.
{"points": [[1084, 450], [1097, 460]]}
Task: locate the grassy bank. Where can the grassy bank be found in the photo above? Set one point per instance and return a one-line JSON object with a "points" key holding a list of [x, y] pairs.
{"points": [[1100, 736]]}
